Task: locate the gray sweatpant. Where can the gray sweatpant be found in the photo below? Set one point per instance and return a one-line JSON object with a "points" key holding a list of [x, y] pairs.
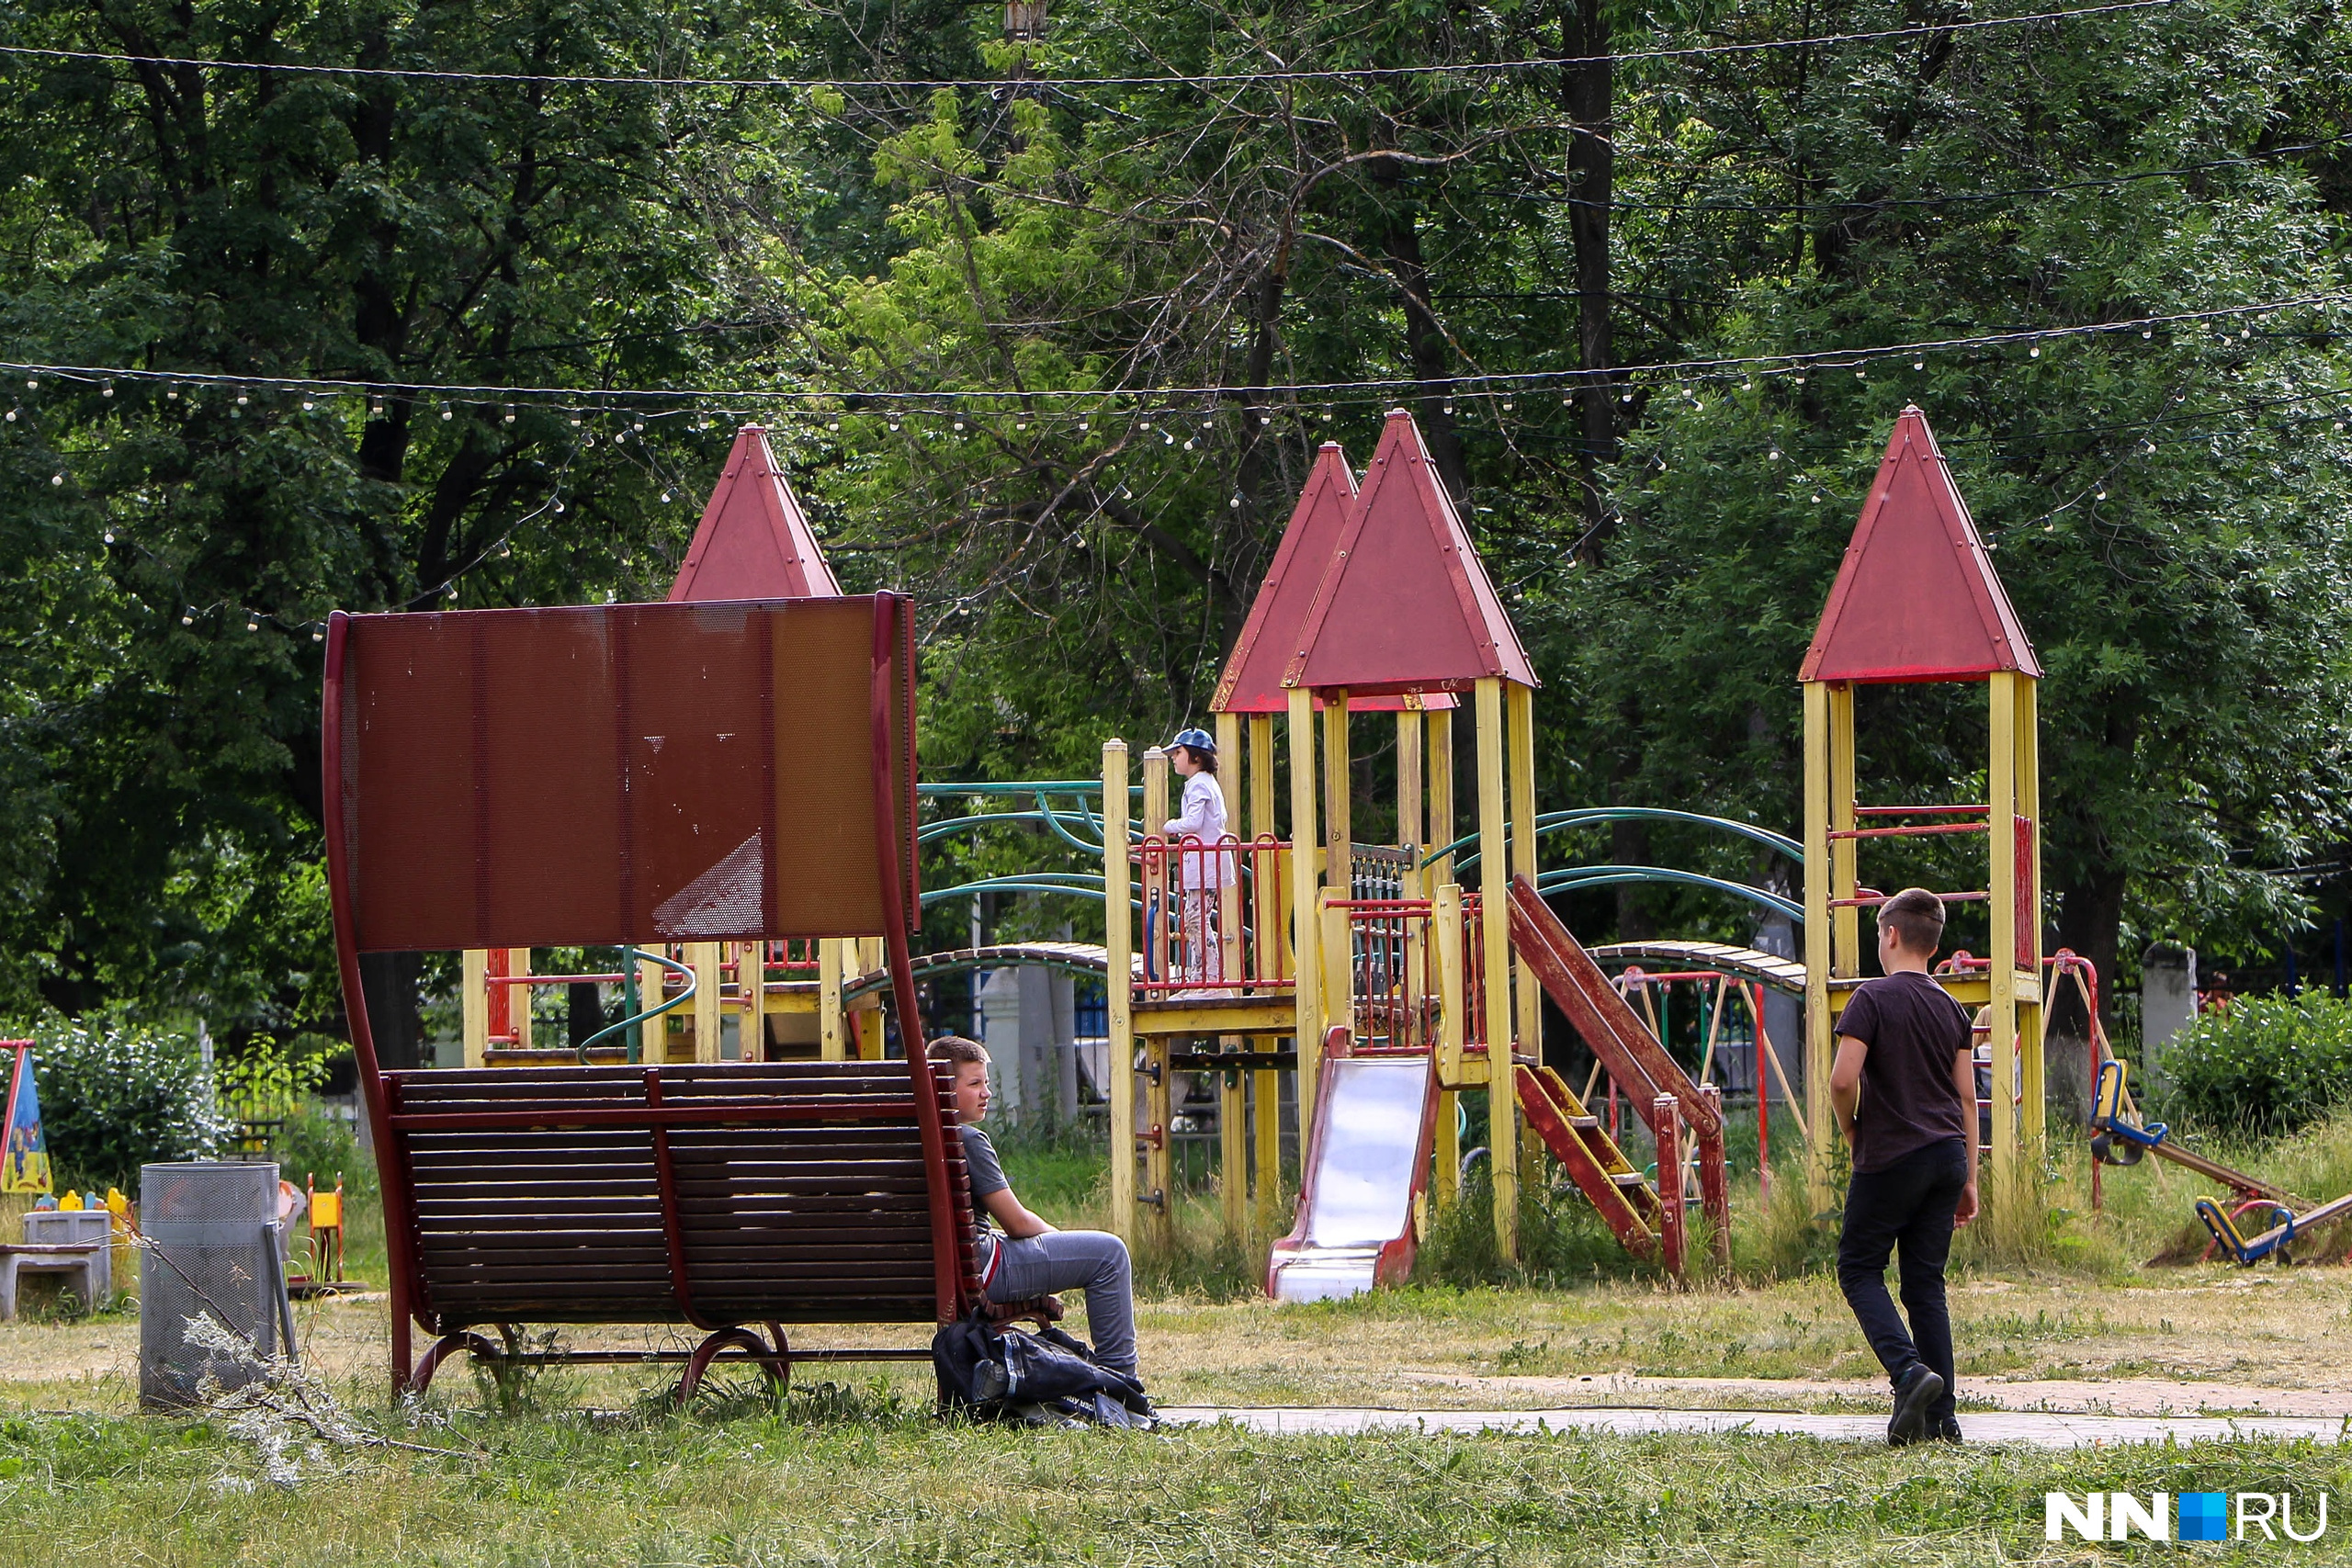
{"points": [[1064, 1260]]}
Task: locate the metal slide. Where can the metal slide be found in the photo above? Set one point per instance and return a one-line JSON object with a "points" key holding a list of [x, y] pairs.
{"points": [[1368, 1153]]}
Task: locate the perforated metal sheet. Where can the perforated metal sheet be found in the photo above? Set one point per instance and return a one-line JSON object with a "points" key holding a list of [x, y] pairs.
{"points": [[216, 1230], [689, 772]]}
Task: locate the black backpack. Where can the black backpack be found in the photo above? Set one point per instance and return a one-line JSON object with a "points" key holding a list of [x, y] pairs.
{"points": [[1043, 1379]]}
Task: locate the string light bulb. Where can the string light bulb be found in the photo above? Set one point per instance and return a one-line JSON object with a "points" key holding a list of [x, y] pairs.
{"points": [[508, 418], [188, 620], [241, 399], [2034, 353], [318, 634], [107, 390], [308, 405], [253, 623], [447, 412], [57, 478], [109, 536]]}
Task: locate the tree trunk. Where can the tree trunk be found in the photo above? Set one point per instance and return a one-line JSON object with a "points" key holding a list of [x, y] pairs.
{"points": [[2090, 922], [1588, 92], [1425, 345], [388, 983]]}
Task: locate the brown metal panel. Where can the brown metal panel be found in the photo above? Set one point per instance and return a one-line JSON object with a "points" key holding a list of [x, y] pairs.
{"points": [[534, 777]]}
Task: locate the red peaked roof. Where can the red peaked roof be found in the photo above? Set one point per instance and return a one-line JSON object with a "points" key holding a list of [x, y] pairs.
{"points": [[753, 542], [1917, 598], [1405, 606], [1252, 682]]}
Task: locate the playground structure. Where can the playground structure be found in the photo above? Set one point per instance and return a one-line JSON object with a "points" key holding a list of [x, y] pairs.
{"points": [[1381, 950], [1916, 601], [1376, 604]]}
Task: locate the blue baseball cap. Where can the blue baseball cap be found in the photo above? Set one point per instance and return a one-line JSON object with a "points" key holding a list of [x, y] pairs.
{"points": [[1196, 739]]}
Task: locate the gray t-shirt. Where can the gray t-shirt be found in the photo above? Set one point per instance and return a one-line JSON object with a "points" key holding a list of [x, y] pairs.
{"points": [[987, 1175]]}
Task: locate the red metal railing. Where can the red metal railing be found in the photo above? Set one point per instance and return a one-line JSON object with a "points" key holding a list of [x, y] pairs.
{"points": [[1393, 956], [1214, 916]]}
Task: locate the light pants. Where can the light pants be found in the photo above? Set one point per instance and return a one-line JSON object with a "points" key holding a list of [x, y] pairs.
{"points": [[1095, 1261], [1201, 955]]}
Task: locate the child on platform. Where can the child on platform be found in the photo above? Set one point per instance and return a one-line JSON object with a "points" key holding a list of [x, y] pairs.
{"points": [[1904, 1084]]}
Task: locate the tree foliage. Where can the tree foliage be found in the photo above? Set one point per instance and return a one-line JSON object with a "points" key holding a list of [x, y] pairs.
{"points": [[1055, 358]]}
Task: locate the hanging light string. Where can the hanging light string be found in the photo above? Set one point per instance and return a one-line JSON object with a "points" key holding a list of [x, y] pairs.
{"points": [[968, 405], [1102, 486], [1219, 80]]}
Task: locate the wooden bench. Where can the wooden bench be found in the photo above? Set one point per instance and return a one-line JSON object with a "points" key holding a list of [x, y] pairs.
{"points": [[751, 1193], [620, 773]]}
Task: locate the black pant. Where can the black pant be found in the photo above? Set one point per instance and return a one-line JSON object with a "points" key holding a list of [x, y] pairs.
{"points": [[1910, 1204]]}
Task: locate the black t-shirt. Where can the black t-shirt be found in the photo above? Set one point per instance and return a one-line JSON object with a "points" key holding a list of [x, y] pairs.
{"points": [[1915, 1032]]}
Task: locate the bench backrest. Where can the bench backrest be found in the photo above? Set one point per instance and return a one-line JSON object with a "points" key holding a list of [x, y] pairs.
{"points": [[642, 773], [785, 1191]]}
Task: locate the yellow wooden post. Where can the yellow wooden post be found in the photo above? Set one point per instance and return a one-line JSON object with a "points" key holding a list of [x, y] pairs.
{"points": [[2033, 1016], [1272, 934], [1306, 934], [751, 989], [1160, 898], [474, 1003], [1158, 1165], [702, 958], [1436, 771], [1339, 837], [1520, 703], [1409, 791], [1453, 997], [2003, 779], [1847, 958], [1493, 919], [1437, 768], [1232, 1132], [1163, 906], [1118, 988], [518, 962], [831, 1032], [1819, 942], [1413, 985]]}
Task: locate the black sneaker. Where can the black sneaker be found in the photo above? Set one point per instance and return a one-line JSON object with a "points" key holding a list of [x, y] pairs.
{"points": [[1915, 1393], [1948, 1430]]}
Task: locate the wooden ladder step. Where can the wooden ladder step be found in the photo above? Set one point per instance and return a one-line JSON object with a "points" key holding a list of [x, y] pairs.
{"points": [[1585, 1124], [1629, 1178]]}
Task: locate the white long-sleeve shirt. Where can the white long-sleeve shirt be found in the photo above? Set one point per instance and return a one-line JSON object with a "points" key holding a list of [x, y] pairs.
{"points": [[1203, 819]]}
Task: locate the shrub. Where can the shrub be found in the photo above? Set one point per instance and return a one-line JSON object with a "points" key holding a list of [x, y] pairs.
{"points": [[114, 1096], [2268, 1064], [314, 1140]]}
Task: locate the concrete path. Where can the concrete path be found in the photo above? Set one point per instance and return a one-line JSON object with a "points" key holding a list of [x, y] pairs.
{"points": [[2036, 1429], [2069, 1396]]}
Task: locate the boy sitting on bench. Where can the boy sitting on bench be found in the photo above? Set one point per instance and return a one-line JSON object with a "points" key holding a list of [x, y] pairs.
{"points": [[1031, 1258]]}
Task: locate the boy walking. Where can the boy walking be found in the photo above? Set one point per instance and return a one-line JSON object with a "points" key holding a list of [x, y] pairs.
{"points": [[1904, 1087]]}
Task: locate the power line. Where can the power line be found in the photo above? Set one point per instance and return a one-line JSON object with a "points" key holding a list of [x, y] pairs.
{"points": [[1208, 80], [1465, 383]]}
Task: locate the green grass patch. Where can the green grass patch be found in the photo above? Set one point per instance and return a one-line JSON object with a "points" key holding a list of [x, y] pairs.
{"points": [[835, 1476]]}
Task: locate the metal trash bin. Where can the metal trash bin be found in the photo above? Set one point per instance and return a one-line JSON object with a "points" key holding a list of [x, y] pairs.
{"points": [[216, 1247]]}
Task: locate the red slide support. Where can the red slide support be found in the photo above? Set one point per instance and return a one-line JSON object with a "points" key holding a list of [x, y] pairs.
{"points": [[1658, 1088]]}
